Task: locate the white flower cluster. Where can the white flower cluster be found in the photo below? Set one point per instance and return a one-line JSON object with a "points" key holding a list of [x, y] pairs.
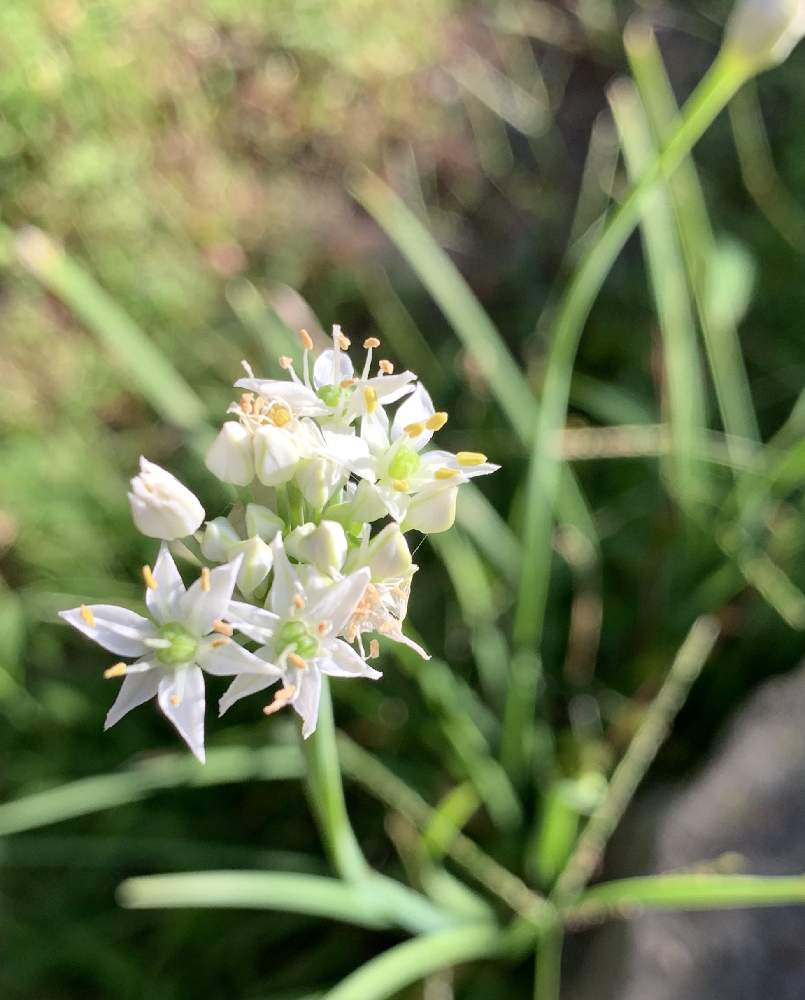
{"points": [[301, 572]]}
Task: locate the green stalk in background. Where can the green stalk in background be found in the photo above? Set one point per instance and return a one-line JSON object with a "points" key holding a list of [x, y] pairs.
{"points": [[684, 384], [724, 79]]}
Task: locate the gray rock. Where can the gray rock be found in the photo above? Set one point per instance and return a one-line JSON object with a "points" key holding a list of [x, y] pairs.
{"points": [[749, 801]]}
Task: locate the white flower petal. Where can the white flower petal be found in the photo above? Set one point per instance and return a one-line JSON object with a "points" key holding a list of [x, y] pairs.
{"points": [[256, 623], [117, 629], [341, 660], [417, 409], [200, 608], [302, 402], [135, 690], [277, 452], [375, 430], [243, 686], [306, 699], [164, 600], [350, 451], [181, 698], [336, 604], [231, 659], [285, 584], [390, 388], [323, 369]]}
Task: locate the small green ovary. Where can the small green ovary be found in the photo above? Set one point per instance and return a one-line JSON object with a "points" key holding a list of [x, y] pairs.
{"points": [[330, 395], [182, 648], [294, 636], [404, 464]]}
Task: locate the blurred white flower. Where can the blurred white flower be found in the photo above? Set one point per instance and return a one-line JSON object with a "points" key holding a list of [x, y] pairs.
{"points": [[300, 640], [186, 634], [161, 506], [764, 32]]}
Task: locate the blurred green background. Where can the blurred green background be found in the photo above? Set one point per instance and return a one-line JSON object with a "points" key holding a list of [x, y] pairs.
{"points": [[183, 182]]}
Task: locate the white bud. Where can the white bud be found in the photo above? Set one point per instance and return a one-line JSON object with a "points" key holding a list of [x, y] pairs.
{"points": [[323, 546], [276, 455], [388, 556], [263, 522], [161, 506], [231, 455], [317, 479], [218, 540], [432, 510], [763, 32], [366, 505], [257, 562]]}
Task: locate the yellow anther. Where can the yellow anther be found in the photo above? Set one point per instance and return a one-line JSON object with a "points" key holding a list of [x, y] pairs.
{"points": [[437, 421], [246, 400], [386, 367], [281, 699], [149, 578], [374, 649], [470, 458], [217, 643], [401, 485], [175, 699], [414, 430], [279, 414], [370, 398], [285, 362], [371, 342], [222, 628], [296, 661], [347, 383], [206, 583], [344, 342], [445, 473], [307, 340], [118, 670], [87, 615], [298, 601]]}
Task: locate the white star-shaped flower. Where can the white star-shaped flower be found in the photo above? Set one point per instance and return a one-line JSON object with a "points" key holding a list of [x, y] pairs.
{"points": [[300, 640], [185, 635]]}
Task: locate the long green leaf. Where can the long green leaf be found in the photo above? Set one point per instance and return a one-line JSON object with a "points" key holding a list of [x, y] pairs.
{"points": [[412, 961], [627, 897]]}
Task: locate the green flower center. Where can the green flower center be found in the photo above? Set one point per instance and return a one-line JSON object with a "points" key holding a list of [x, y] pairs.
{"points": [[296, 637], [330, 395], [404, 464], [182, 647]]}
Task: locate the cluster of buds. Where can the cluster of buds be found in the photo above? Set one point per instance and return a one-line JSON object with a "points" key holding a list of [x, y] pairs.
{"points": [[309, 572]]}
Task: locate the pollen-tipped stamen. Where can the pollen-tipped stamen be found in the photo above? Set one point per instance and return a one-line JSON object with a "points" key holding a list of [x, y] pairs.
{"points": [[401, 485], [149, 578], [445, 473], [436, 421], [87, 615], [206, 583], [470, 458], [222, 627], [116, 670], [370, 398], [415, 429], [281, 699]]}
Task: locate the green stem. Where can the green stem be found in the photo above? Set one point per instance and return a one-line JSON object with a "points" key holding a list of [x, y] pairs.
{"points": [[548, 962], [724, 79], [326, 795]]}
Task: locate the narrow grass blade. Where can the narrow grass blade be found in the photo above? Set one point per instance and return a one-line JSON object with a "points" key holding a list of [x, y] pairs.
{"points": [[630, 897], [684, 383], [156, 378], [413, 961], [696, 237], [91, 795], [440, 276]]}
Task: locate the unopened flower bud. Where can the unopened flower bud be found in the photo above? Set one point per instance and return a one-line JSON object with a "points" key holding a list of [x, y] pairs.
{"points": [[257, 562], [231, 455], [323, 546], [161, 506], [388, 556], [317, 479], [763, 32], [263, 522], [276, 455], [218, 540], [432, 511]]}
